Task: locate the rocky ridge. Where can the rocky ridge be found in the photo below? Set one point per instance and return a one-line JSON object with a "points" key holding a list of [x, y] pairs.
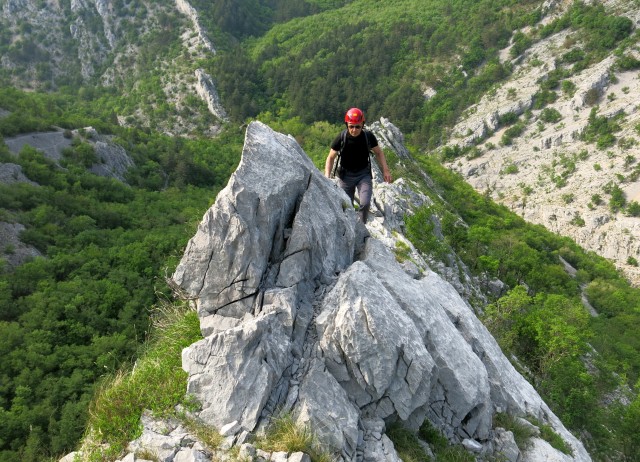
{"points": [[548, 174], [303, 311]]}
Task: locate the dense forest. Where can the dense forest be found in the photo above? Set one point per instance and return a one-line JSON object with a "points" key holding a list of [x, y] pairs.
{"points": [[81, 315]]}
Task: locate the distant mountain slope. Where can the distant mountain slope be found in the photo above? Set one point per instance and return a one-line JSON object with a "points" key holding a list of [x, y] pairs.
{"points": [[570, 163]]}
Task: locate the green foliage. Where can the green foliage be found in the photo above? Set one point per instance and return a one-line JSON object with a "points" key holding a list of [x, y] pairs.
{"points": [[155, 383], [550, 333], [612, 298], [573, 56], [628, 63], [521, 42], [406, 444], [282, 66], [548, 434], [512, 132], [550, 115], [602, 31], [401, 251], [80, 312], [452, 152], [568, 88], [438, 443], [600, 130], [421, 231], [630, 422], [509, 118], [81, 154], [510, 169], [522, 433], [429, 433], [544, 97], [592, 96], [618, 200], [633, 209]]}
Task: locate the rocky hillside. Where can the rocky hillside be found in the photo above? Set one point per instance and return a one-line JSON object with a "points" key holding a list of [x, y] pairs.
{"points": [[304, 311], [571, 164], [47, 45]]}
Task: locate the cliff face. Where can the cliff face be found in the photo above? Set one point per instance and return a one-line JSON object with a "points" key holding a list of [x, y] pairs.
{"points": [[549, 174], [303, 311]]}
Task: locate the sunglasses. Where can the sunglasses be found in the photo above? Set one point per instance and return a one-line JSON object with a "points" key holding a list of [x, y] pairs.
{"points": [[357, 127]]}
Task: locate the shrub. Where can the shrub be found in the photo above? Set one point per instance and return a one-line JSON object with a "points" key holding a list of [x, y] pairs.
{"points": [[617, 200], [511, 169], [544, 97], [628, 63], [550, 115], [550, 436], [606, 141], [591, 97], [573, 56], [577, 220], [633, 209], [522, 432], [568, 87], [511, 133], [509, 118]]}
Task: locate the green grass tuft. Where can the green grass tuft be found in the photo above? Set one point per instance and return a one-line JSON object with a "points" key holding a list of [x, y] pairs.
{"points": [[155, 382], [283, 434], [406, 444]]}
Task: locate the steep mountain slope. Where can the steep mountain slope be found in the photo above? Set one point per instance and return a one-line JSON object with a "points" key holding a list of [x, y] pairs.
{"points": [[570, 163], [142, 53]]}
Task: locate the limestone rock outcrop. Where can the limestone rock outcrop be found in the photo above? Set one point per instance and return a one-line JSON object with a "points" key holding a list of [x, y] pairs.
{"points": [[207, 91], [113, 161], [302, 311]]}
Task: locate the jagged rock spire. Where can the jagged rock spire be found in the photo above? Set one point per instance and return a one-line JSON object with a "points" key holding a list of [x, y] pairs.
{"points": [[302, 314]]}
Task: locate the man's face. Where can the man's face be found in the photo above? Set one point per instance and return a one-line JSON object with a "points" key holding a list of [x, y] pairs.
{"points": [[354, 129]]}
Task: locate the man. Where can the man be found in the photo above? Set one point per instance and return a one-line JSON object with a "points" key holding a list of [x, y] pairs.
{"points": [[354, 171]]}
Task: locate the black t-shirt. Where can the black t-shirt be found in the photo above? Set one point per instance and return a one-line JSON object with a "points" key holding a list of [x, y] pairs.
{"points": [[355, 155]]}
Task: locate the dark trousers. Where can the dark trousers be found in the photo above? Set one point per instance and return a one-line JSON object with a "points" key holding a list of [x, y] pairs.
{"points": [[363, 182]]}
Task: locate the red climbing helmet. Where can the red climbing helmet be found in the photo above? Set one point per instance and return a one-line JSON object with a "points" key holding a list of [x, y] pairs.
{"points": [[354, 116]]}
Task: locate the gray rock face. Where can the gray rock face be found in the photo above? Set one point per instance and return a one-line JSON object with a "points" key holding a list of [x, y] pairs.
{"points": [[12, 173], [13, 251], [300, 316], [50, 143], [389, 136], [187, 9], [207, 91], [276, 223], [113, 160]]}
